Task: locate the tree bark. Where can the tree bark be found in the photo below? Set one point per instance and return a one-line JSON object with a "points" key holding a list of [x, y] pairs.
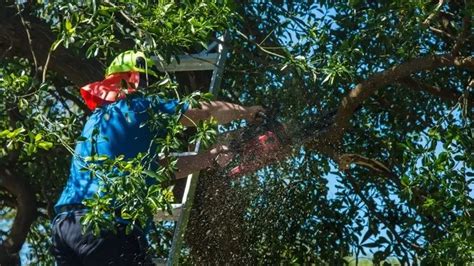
{"points": [[365, 89], [25, 215], [14, 41], [444, 94]]}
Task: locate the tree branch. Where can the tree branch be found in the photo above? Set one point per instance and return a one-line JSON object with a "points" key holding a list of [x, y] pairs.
{"points": [[464, 35], [428, 20], [26, 214], [365, 89], [78, 70], [344, 161], [442, 33], [63, 93], [347, 159], [419, 196], [445, 94], [373, 210]]}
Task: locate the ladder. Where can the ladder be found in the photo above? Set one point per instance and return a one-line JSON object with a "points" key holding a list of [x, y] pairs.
{"points": [[204, 61]]}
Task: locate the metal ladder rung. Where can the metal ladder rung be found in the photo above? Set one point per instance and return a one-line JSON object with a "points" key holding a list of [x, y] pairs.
{"points": [[163, 215], [195, 62], [159, 262]]}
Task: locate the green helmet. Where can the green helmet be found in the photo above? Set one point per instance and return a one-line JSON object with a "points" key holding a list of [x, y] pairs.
{"points": [[131, 61]]}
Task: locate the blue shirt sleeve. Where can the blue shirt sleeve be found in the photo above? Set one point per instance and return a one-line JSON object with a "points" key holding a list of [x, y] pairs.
{"points": [[169, 106]]}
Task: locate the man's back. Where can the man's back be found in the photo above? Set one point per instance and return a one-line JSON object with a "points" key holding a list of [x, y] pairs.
{"points": [[115, 129]]}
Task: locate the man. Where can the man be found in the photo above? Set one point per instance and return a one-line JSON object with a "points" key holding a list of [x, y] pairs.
{"points": [[116, 128]]}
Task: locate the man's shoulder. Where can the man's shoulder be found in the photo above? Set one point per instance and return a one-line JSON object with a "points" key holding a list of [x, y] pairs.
{"points": [[136, 103]]}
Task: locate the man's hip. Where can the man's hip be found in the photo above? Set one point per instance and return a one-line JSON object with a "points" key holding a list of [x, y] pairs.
{"points": [[70, 246]]}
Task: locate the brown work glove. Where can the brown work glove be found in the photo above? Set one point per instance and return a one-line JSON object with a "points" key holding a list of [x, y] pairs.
{"points": [[223, 155], [252, 114]]}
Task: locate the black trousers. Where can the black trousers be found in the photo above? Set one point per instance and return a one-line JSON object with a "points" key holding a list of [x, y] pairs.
{"points": [[71, 247]]}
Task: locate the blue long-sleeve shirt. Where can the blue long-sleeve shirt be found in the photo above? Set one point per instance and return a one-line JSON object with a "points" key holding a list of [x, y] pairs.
{"points": [[112, 130]]}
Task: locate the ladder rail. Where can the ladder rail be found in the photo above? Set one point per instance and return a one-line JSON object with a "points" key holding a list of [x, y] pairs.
{"points": [[180, 229], [219, 70], [198, 62], [195, 62], [188, 197]]}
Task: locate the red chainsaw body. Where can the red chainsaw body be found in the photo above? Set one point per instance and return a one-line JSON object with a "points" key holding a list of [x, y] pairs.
{"points": [[261, 150]]}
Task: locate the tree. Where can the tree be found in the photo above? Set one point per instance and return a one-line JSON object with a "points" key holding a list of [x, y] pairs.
{"points": [[397, 73]]}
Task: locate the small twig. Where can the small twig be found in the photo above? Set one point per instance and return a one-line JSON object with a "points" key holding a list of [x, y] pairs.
{"points": [[29, 39], [63, 102], [467, 101], [463, 36], [442, 32], [259, 46], [7, 50], [43, 79], [266, 37], [126, 17], [428, 20]]}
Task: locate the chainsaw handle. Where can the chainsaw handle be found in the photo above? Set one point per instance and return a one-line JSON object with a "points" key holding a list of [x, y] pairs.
{"points": [[261, 114], [260, 117]]}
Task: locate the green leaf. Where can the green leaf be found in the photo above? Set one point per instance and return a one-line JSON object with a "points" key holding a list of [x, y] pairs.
{"points": [[405, 180], [101, 158], [371, 245], [151, 174], [38, 137], [15, 132], [125, 215], [68, 26], [207, 96], [367, 235], [4, 133], [45, 145]]}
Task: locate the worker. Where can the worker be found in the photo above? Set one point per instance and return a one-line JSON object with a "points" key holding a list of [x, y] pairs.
{"points": [[119, 110]]}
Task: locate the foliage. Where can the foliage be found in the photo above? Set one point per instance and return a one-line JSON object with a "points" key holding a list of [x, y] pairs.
{"points": [[162, 28], [406, 191], [299, 59]]}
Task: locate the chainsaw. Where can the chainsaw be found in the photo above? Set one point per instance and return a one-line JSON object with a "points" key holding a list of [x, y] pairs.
{"points": [[269, 141], [258, 145]]}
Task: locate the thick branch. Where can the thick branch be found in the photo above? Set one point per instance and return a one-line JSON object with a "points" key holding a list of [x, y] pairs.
{"points": [[15, 41], [366, 88], [445, 94], [25, 215], [7, 200], [346, 160]]}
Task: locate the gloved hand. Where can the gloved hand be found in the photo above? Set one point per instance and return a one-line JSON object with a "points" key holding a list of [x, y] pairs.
{"points": [[223, 155], [252, 114]]}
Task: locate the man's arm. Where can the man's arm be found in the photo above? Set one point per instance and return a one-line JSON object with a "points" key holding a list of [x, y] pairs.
{"points": [[187, 165], [223, 112]]}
